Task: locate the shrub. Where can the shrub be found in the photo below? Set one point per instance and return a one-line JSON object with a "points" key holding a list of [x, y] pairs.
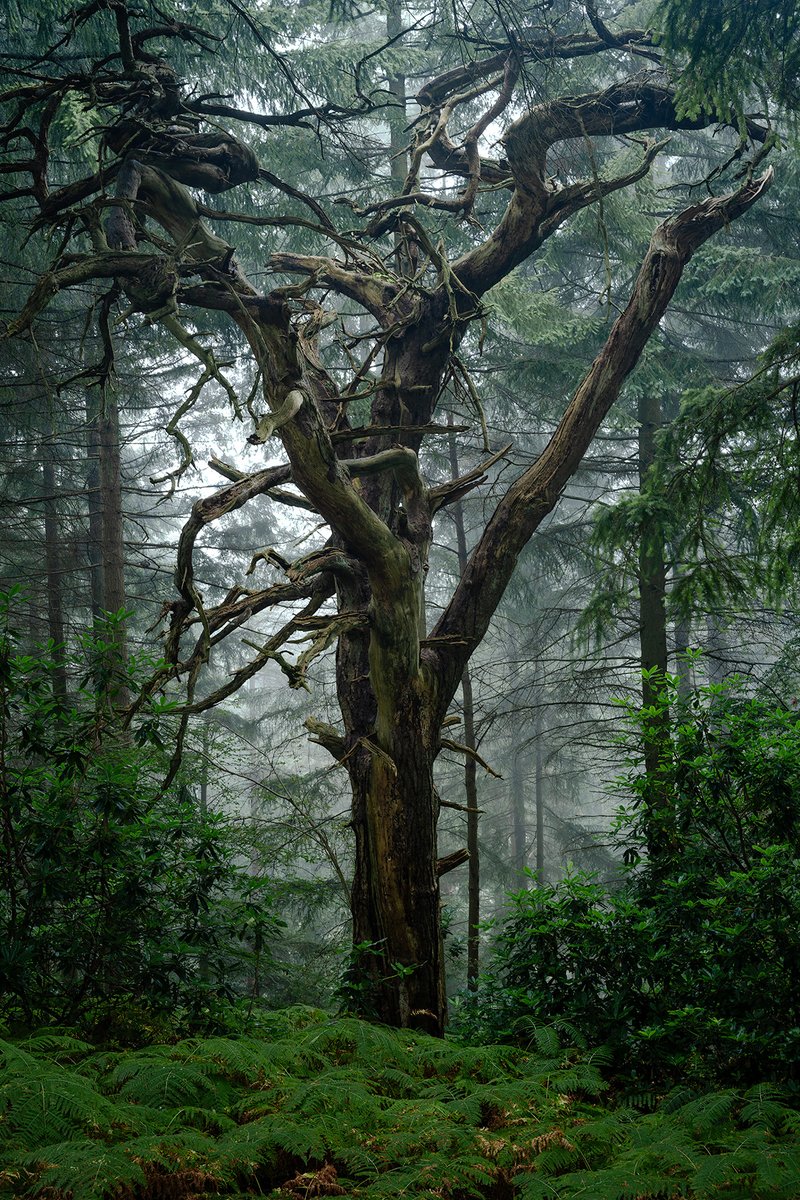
{"points": [[691, 965], [120, 904]]}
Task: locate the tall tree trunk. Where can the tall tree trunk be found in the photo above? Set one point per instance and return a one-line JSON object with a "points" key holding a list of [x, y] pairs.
{"points": [[716, 648], [474, 868], [406, 250], [683, 668], [203, 966], [519, 830], [682, 629], [53, 563], [111, 505], [653, 633], [539, 792], [398, 134], [470, 765], [94, 503], [113, 535]]}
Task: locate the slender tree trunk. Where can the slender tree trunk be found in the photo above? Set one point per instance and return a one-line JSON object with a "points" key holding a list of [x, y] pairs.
{"points": [[539, 792], [653, 633], [682, 629], [95, 505], [53, 562], [474, 868], [398, 134], [470, 766], [519, 829], [683, 669], [111, 505], [113, 535], [716, 651], [406, 250], [204, 968], [652, 571]]}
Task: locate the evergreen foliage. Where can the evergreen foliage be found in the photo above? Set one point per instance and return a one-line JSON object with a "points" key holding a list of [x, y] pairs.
{"points": [[733, 50], [721, 498], [310, 1106]]}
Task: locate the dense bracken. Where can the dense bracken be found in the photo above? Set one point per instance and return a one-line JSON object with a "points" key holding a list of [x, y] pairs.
{"points": [[314, 1106]]}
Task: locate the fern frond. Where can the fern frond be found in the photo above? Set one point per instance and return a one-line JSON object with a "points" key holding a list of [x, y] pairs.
{"points": [[532, 1187], [765, 1106], [707, 1113], [163, 1081], [57, 1046], [49, 1104], [84, 1170], [14, 1058]]}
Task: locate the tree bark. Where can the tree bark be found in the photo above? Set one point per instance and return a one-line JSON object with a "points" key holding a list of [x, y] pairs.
{"points": [[112, 553], [539, 792], [53, 563], [395, 896], [398, 136], [470, 765], [113, 542], [473, 848], [652, 578], [94, 540], [519, 830]]}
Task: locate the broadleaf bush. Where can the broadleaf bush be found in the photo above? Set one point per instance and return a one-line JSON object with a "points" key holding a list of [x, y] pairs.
{"points": [[124, 909], [688, 966]]}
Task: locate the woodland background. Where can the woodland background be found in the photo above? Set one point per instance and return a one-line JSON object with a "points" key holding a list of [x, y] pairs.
{"points": [[185, 998]]}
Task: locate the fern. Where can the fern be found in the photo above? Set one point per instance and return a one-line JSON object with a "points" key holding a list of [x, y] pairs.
{"points": [[362, 1111], [84, 1171], [162, 1081], [707, 1113], [57, 1046], [48, 1103], [765, 1106]]}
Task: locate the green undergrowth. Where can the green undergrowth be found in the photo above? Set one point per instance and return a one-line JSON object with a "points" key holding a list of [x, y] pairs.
{"points": [[316, 1106]]}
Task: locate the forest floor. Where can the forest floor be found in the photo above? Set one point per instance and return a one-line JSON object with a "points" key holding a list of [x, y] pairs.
{"points": [[321, 1106]]}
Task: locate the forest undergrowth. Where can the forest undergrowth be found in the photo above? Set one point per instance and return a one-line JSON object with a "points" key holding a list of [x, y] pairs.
{"points": [[319, 1106], [129, 925]]}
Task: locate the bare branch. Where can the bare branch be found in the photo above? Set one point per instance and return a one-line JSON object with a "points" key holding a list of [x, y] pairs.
{"points": [[327, 736], [454, 489], [451, 861], [469, 752], [391, 301], [459, 807], [537, 207], [536, 492], [527, 45]]}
